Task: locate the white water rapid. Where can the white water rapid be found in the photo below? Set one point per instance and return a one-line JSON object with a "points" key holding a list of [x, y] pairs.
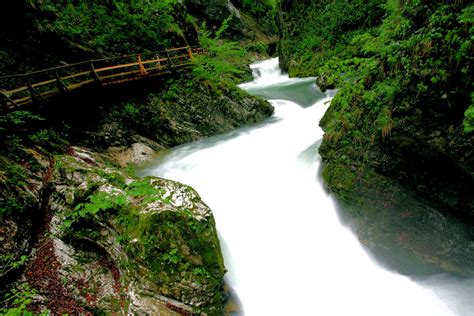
{"points": [[286, 251]]}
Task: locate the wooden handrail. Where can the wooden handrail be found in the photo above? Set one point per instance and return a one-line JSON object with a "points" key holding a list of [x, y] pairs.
{"points": [[79, 74], [93, 61]]}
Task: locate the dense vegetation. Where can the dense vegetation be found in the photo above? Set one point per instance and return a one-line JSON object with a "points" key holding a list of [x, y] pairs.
{"points": [[71, 31], [403, 68], [403, 111]]}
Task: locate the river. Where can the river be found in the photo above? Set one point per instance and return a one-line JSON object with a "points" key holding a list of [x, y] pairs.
{"points": [[284, 246]]}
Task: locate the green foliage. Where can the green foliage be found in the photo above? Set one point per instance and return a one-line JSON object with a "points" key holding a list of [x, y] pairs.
{"points": [[12, 127], [222, 59], [415, 60], [131, 111], [47, 138], [113, 177], [327, 24], [22, 129], [19, 118], [98, 202], [224, 26], [18, 299], [16, 175], [259, 47], [112, 26], [142, 188], [263, 11], [10, 262], [172, 257], [468, 122], [11, 207], [200, 271]]}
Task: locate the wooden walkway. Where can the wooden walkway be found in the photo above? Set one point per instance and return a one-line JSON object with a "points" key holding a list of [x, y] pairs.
{"points": [[23, 89]]}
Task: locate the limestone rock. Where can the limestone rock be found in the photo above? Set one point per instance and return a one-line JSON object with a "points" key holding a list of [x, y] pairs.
{"points": [[137, 153], [149, 243]]}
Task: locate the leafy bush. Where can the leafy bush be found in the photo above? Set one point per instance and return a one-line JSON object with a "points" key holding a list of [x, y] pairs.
{"points": [[419, 55], [469, 119], [113, 26], [264, 11], [18, 299], [222, 59], [98, 202]]}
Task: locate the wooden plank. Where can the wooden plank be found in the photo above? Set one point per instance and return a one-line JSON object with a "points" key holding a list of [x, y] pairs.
{"points": [[159, 67], [180, 56], [175, 49], [159, 60], [17, 101], [137, 72], [50, 93], [136, 78], [170, 64], [42, 83], [10, 92], [117, 67], [78, 85], [190, 52], [137, 64]]}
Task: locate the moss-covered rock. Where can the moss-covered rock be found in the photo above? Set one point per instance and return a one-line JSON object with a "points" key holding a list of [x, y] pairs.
{"points": [[403, 230], [181, 110], [117, 243], [396, 150]]}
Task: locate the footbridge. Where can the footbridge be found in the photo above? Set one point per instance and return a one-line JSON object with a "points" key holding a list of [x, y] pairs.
{"points": [[23, 89]]}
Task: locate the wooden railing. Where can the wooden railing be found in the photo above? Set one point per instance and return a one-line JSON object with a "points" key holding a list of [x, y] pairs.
{"points": [[23, 89]]}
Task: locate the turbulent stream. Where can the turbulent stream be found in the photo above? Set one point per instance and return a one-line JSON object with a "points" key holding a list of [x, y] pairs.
{"points": [[284, 246]]}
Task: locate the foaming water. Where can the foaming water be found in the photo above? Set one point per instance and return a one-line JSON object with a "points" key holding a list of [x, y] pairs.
{"points": [[285, 249]]}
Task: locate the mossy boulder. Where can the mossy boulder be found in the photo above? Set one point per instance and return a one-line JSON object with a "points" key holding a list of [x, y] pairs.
{"points": [[132, 245]]}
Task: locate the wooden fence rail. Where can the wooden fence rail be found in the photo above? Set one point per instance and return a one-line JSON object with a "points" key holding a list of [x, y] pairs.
{"points": [[22, 89]]}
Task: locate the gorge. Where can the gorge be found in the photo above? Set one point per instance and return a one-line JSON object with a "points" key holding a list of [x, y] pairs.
{"points": [[284, 244], [308, 158]]}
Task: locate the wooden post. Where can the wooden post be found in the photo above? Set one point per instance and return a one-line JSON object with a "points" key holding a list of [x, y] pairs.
{"points": [[140, 65], [94, 73], [34, 94], [190, 52], [169, 63], [159, 62], [61, 85], [5, 99]]}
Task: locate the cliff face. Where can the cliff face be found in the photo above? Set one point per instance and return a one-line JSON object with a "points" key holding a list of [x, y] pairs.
{"points": [[168, 112], [398, 129]]}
